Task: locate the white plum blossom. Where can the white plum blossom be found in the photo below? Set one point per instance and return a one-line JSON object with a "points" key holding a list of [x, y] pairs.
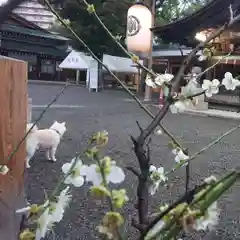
{"points": [[209, 220], [179, 156], [44, 224], [180, 106], [159, 80], [210, 87], [156, 176], [76, 176], [23, 210], [153, 188], [149, 82], [53, 212], [191, 88], [114, 174], [163, 78], [202, 57], [4, 169], [168, 77], [211, 179], [58, 208], [159, 171], [229, 82], [159, 132]]}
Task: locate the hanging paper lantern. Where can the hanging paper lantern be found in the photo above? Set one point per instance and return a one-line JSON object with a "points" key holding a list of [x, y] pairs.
{"points": [[139, 22]]}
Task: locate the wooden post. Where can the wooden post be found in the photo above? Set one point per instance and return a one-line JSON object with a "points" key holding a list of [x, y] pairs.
{"points": [[13, 118], [29, 110]]}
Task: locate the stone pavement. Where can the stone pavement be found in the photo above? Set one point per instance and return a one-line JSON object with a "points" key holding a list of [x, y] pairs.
{"points": [[117, 113], [215, 113], [209, 113]]}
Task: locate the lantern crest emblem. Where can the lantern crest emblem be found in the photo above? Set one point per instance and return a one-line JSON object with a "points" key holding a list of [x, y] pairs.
{"points": [[133, 26]]}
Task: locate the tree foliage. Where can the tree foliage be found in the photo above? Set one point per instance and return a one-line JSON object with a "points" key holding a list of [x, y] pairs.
{"points": [[112, 12], [172, 10]]}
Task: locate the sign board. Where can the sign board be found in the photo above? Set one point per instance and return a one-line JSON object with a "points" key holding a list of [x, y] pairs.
{"points": [[93, 79], [93, 76], [74, 61], [87, 78]]}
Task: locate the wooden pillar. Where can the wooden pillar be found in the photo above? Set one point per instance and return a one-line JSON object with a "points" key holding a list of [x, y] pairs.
{"points": [[38, 68], [152, 5], [29, 110], [13, 118], [136, 81], [77, 76]]}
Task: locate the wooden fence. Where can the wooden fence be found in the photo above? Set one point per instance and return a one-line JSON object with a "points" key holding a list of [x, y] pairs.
{"points": [[13, 119]]}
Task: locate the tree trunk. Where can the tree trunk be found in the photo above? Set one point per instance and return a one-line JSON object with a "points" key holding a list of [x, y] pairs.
{"points": [[13, 116]]}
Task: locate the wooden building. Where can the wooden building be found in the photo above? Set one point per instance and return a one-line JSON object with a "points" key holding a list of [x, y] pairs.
{"points": [[203, 22], [43, 50], [169, 58]]}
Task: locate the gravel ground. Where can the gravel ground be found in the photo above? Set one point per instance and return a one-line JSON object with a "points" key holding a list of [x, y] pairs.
{"points": [[116, 113]]}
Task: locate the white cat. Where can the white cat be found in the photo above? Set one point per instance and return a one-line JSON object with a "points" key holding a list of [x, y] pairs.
{"points": [[44, 139]]}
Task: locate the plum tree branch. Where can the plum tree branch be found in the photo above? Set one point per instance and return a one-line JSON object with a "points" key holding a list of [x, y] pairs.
{"points": [[139, 143], [141, 105]]}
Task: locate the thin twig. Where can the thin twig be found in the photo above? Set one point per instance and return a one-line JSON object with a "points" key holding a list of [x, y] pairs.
{"points": [[139, 143], [35, 123], [214, 65], [187, 180], [139, 126], [116, 41], [176, 80], [188, 197], [112, 74], [64, 177], [155, 122], [187, 168], [204, 149], [139, 150], [61, 181], [109, 198], [230, 131], [187, 61], [201, 74]]}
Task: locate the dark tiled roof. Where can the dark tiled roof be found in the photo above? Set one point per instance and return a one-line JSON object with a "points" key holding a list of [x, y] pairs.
{"points": [[33, 48], [27, 31], [16, 17], [212, 15]]}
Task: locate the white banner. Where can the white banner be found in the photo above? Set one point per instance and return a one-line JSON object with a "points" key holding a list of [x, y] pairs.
{"points": [[93, 78]]}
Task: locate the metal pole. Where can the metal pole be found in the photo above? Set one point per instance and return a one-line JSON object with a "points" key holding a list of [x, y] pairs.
{"points": [[148, 91]]}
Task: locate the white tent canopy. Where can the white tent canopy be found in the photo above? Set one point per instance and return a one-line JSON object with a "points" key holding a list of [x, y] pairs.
{"points": [[74, 60], [120, 64], [80, 61], [91, 62]]}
